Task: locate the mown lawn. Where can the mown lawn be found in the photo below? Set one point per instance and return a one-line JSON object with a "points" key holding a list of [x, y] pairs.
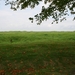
{"points": [[37, 53]]}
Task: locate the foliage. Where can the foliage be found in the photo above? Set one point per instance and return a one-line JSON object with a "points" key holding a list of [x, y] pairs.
{"points": [[57, 9]]}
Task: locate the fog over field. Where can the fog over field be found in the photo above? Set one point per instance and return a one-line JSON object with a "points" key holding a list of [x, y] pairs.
{"points": [[18, 20]]}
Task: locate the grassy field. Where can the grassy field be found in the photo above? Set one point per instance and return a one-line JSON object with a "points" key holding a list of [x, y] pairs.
{"points": [[37, 53]]}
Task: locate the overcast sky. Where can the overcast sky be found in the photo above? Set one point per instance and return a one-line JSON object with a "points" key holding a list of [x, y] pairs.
{"points": [[18, 21]]}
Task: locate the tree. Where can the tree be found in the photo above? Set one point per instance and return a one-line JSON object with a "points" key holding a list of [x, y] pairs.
{"points": [[57, 9]]}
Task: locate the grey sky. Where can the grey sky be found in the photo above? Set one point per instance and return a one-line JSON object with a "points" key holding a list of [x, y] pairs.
{"points": [[18, 21]]}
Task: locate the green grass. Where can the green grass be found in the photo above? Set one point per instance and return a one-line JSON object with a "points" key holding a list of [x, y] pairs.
{"points": [[37, 53]]}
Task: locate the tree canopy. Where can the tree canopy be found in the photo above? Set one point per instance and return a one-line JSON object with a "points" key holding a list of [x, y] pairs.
{"points": [[57, 9]]}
